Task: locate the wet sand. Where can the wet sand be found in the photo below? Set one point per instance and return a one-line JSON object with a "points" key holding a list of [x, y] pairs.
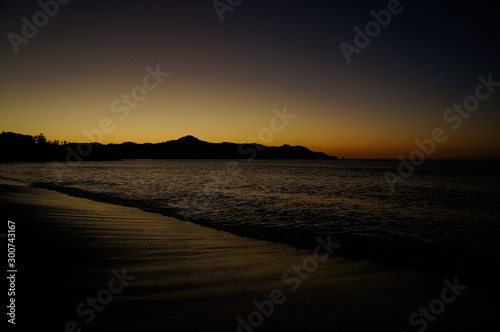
{"points": [[191, 278]]}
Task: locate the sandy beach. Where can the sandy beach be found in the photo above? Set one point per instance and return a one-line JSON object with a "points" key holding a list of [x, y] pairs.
{"points": [[169, 275]]}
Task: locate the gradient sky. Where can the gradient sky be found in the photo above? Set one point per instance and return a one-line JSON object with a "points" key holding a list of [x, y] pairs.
{"points": [[227, 77]]}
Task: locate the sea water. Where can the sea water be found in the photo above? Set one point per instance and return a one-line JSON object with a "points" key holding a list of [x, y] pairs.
{"points": [[446, 214]]}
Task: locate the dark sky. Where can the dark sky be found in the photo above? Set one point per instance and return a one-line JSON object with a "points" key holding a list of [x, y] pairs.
{"points": [[226, 77]]}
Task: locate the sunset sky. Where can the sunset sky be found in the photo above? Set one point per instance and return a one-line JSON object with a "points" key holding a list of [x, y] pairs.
{"points": [[227, 76]]}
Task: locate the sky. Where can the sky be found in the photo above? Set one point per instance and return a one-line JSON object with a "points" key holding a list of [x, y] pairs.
{"points": [[225, 77]]}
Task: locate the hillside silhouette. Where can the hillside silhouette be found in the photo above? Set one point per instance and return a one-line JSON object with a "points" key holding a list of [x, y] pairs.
{"points": [[18, 147]]}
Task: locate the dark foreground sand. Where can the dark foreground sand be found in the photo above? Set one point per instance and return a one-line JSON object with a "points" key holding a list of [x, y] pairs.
{"points": [[192, 278]]}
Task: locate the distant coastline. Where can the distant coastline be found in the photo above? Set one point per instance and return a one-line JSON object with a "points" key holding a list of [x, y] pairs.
{"points": [[19, 147]]}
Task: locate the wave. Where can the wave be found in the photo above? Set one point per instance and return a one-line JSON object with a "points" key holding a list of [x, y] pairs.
{"points": [[355, 245]]}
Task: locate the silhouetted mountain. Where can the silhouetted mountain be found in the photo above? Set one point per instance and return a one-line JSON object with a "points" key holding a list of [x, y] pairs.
{"points": [[17, 147]]}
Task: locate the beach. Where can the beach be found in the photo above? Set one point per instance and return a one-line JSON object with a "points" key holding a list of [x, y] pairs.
{"points": [[164, 274], [250, 166]]}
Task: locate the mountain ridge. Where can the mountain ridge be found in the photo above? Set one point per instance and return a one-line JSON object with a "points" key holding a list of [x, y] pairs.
{"points": [[18, 147]]}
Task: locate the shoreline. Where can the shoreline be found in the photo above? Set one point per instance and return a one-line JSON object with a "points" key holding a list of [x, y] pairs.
{"points": [[354, 248], [189, 277]]}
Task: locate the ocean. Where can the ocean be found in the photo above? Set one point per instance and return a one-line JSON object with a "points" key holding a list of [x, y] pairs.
{"points": [[445, 216]]}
